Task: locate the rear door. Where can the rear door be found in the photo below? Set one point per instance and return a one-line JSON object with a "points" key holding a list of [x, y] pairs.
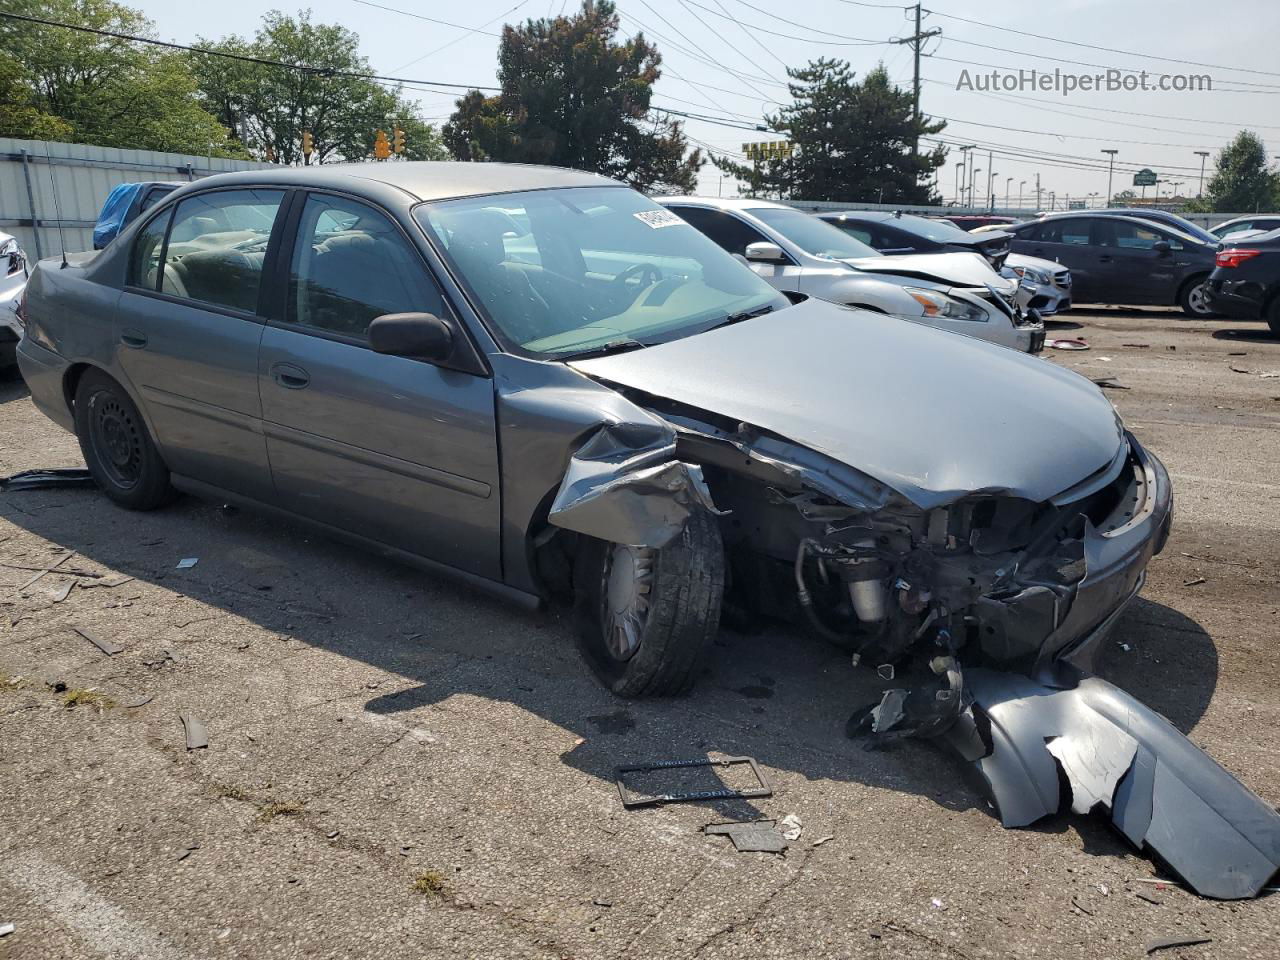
{"points": [[735, 235], [187, 331], [1069, 241], [395, 450]]}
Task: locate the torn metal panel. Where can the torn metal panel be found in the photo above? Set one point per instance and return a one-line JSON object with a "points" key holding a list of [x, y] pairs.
{"points": [[1160, 790], [625, 485]]}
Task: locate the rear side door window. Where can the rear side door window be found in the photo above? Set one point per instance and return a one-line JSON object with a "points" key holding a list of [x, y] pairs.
{"points": [[726, 230], [144, 261], [1072, 232], [350, 265], [217, 246]]}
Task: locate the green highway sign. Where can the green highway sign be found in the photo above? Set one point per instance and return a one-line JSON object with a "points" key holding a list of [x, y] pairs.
{"points": [[1145, 177]]}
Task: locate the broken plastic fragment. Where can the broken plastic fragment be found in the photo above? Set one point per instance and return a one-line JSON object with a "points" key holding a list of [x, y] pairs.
{"points": [[791, 827]]}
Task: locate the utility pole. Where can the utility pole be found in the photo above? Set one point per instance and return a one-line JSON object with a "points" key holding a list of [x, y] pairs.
{"points": [[1203, 155], [1111, 156], [1037, 189], [959, 191], [917, 40]]}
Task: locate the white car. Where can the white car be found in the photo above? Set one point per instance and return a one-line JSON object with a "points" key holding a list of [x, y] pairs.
{"points": [[13, 280], [1044, 286], [798, 252]]}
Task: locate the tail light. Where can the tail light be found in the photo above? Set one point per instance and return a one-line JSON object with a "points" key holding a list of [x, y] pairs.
{"points": [[1233, 258]]}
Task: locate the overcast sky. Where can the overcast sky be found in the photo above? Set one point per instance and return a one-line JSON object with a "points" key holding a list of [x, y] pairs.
{"points": [[1160, 130]]}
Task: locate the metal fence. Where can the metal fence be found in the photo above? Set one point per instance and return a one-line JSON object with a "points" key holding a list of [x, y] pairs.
{"points": [[46, 186]]}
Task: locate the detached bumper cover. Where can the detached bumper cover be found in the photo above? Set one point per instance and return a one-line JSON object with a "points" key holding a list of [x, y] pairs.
{"points": [[1160, 790]]}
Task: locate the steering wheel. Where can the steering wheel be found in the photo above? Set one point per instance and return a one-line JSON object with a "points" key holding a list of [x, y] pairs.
{"points": [[641, 271]]}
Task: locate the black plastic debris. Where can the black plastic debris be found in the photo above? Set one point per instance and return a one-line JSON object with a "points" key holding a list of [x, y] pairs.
{"points": [[44, 479], [110, 648], [751, 836], [1171, 942]]}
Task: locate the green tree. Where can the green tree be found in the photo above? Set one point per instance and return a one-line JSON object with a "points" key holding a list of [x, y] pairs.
{"points": [[106, 91], [1242, 181], [269, 107], [572, 95], [19, 115], [853, 140]]}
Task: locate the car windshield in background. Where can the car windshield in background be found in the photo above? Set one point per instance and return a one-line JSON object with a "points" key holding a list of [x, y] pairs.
{"points": [[813, 236], [563, 272], [941, 231]]}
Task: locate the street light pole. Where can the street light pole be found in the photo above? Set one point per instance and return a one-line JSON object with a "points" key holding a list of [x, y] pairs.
{"points": [[1111, 154], [1007, 182], [1020, 186], [1203, 155], [959, 191], [964, 180], [973, 173]]}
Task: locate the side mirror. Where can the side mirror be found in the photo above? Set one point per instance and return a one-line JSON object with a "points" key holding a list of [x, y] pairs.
{"points": [[764, 252], [418, 336], [1161, 247]]}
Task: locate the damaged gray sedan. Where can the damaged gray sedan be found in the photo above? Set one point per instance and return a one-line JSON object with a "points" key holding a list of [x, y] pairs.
{"points": [[554, 387]]}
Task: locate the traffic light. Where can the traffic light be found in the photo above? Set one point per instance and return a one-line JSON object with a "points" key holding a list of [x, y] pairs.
{"points": [[381, 149], [308, 143], [397, 140]]}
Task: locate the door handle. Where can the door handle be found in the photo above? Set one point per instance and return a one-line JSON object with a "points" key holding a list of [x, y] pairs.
{"points": [[1104, 258], [131, 338], [290, 376]]}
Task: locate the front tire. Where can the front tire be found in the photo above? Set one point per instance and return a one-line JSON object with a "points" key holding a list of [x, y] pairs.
{"points": [[1193, 298], [646, 617], [117, 448], [1273, 317]]}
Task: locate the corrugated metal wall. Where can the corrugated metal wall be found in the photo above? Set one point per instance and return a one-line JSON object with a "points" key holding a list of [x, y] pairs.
{"points": [[84, 175]]}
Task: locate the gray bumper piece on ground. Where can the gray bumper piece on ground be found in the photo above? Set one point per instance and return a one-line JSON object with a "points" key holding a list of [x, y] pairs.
{"points": [[1160, 790], [625, 485]]}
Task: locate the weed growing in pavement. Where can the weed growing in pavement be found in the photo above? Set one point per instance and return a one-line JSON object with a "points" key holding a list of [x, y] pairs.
{"points": [[77, 697], [429, 883], [278, 808]]}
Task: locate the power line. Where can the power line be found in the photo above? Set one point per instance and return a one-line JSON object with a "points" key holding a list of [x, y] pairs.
{"points": [[723, 39], [244, 58], [736, 74], [418, 16], [463, 36], [753, 38], [1094, 46], [851, 41]]}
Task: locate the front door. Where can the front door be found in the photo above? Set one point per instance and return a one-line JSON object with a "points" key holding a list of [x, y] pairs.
{"points": [[392, 449], [187, 330]]}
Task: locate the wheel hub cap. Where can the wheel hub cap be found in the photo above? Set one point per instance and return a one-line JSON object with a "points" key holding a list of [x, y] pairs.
{"points": [[628, 578]]}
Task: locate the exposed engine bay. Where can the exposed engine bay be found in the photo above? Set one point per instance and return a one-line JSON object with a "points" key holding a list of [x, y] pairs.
{"points": [[984, 614]]}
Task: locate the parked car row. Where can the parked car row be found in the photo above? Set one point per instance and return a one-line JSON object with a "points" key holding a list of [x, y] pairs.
{"points": [[13, 280]]}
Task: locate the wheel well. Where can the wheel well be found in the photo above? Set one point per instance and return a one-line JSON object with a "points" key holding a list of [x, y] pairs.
{"points": [[71, 381], [1191, 281], [866, 306]]}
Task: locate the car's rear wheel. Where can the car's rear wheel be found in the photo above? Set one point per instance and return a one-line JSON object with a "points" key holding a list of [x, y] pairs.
{"points": [[1273, 316], [116, 447], [1194, 298], [646, 617]]}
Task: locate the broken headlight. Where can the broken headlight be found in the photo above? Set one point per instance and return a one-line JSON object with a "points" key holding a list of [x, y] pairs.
{"points": [[1033, 274], [938, 304]]}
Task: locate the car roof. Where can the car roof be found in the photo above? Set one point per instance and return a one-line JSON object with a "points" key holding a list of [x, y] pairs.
{"points": [[1110, 215], [726, 203], [421, 180], [874, 216]]}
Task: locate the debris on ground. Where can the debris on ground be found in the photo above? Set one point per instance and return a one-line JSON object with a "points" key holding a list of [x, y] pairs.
{"points": [[186, 563], [109, 647], [791, 827], [187, 851], [753, 836], [1170, 942], [1194, 582], [630, 799], [1067, 344], [48, 569], [937, 904], [821, 840], [1109, 383], [1079, 906], [6, 929], [197, 735], [140, 701], [64, 591], [44, 479], [1140, 346], [1234, 369], [1147, 897], [602, 903]]}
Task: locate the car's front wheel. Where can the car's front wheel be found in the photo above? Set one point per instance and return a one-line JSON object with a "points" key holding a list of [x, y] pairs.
{"points": [[1194, 298], [646, 617], [116, 447]]}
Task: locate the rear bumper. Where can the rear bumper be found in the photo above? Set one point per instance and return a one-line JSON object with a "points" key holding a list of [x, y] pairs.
{"points": [[1235, 298], [44, 371]]}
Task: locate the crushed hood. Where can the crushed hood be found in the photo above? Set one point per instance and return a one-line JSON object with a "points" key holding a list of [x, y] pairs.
{"points": [[932, 414], [954, 269]]}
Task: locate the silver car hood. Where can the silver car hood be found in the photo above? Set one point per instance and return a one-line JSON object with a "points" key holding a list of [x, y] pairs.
{"points": [[932, 414], [954, 269]]}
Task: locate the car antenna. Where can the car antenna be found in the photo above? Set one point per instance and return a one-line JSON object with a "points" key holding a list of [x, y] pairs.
{"points": [[57, 207]]}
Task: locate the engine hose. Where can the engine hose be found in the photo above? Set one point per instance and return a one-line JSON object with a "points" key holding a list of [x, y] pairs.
{"points": [[806, 598]]}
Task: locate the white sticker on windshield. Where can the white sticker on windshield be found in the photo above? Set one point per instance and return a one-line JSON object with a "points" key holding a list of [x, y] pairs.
{"points": [[657, 218]]}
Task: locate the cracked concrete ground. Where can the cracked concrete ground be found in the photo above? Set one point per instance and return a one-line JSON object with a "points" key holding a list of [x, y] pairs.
{"points": [[401, 767]]}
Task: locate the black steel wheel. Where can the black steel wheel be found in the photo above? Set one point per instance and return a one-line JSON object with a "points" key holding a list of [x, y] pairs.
{"points": [[117, 448]]}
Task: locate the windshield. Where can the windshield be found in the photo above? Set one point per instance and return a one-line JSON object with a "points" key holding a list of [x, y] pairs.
{"points": [[940, 230], [813, 236], [563, 272]]}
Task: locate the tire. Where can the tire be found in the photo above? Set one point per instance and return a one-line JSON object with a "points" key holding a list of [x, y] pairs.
{"points": [[673, 614], [116, 446], [1192, 300], [1273, 317]]}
